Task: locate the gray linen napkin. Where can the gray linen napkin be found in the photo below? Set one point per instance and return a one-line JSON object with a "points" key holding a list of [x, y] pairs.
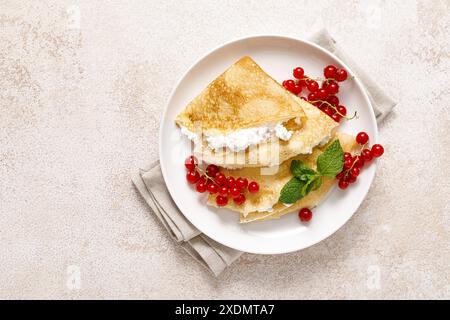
{"points": [[215, 256], [382, 103], [211, 254]]}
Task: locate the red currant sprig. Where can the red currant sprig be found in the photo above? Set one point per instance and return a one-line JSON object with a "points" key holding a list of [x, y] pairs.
{"points": [[215, 182], [323, 96], [332, 76], [354, 163], [336, 112]]}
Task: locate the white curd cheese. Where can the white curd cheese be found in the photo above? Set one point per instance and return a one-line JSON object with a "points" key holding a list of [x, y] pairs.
{"points": [[189, 134], [324, 141], [269, 209], [282, 133], [241, 139]]}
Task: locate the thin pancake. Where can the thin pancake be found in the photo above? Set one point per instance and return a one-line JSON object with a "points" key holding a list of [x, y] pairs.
{"points": [[316, 129], [244, 96], [257, 205]]}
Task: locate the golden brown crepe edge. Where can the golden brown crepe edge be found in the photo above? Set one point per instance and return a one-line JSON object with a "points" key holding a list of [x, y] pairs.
{"points": [[311, 200]]}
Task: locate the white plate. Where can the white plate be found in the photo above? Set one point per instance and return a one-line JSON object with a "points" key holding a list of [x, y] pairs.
{"points": [[277, 55]]}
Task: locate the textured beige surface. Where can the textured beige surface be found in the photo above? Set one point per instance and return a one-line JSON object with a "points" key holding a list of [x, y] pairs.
{"points": [[80, 109]]}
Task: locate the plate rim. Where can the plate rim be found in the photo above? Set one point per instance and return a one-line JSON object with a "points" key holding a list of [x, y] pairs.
{"points": [[282, 37]]}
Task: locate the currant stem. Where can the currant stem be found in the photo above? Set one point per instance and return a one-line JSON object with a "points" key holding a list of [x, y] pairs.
{"points": [[363, 147], [348, 170], [323, 79], [335, 109], [356, 159], [308, 78], [203, 172]]}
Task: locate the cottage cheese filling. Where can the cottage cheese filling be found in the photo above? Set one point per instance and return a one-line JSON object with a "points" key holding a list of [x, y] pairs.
{"points": [[268, 209], [189, 134], [240, 140]]}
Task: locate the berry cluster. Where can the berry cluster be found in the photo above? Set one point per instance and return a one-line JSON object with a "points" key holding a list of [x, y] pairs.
{"points": [[354, 163], [215, 182], [324, 96], [352, 167]]}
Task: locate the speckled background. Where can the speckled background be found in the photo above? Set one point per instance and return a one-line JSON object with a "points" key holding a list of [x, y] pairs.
{"points": [[82, 87]]}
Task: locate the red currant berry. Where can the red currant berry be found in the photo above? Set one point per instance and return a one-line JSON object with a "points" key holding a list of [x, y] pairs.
{"points": [[354, 172], [230, 182], [336, 117], [367, 155], [343, 184], [289, 84], [347, 155], [240, 199], [358, 162], [212, 188], [305, 214], [342, 111], [312, 85], [298, 73], [341, 75], [253, 187], [312, 96], [220, 179], [328, 111], [330, 72], [223, 190], [362, 138], [351, 179], [190, 162], [221, 200], [241, 183], [234, 191], [332, 87], [201, 186], [322, 94], [340, 175], [297, 89], [212, 170], [303, 81], [377, 150], [192, 176], [348, 163], [333, 100]]}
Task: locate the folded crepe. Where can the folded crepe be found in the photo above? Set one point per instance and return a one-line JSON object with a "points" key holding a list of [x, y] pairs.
{"points": [[244, 118], [264, 204]]}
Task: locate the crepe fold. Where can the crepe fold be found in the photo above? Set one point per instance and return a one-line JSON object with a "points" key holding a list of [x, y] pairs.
{"points": [[243, 97], [264, 204]]}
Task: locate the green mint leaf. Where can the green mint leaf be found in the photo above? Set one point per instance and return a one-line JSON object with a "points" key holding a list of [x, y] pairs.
{"points": [[301, 170], [306, 188], [313, 183], [305, 179], [317, 183], [296, 188], [331, 161], [291, 191]]}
